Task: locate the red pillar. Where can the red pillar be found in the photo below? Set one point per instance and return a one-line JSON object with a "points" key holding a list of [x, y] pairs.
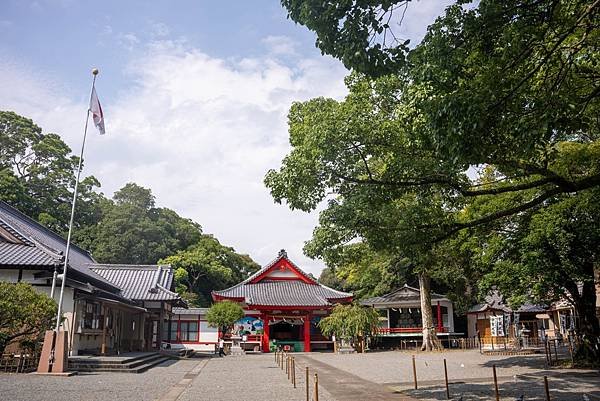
{"points": [[307, 333], [266, 332], [440, 325]]}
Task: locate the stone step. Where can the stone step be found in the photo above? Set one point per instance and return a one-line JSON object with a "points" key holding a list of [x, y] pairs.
{"points": [[112, 360], [127, 365]]}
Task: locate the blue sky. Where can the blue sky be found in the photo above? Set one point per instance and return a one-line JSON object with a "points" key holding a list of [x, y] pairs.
{"points": [[195, 95], [65, 38]]}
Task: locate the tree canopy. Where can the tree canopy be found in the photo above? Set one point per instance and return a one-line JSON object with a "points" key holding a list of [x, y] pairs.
{"points": [[131, 229], [486, 126], [37, 173], [206, 266], [350, 322]]}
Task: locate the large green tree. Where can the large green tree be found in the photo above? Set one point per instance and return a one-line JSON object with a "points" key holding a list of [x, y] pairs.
{"points": [[359, 269], [513, 84], [37, 175], [510, 86], [133, 230], [206, 266]]}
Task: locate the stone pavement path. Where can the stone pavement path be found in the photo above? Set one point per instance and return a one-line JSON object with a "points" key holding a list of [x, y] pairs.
{"points": [[345, 386], [244, 378]]}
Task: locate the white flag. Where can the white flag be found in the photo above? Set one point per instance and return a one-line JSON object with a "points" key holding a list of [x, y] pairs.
{"points": [[97, 113]]}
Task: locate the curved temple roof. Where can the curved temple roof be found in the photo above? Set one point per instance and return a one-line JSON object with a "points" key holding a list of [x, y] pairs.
{"points": [[282, 283]]}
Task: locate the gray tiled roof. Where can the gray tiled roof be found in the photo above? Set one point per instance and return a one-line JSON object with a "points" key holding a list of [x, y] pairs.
{"points": [[140, 282], [189, 311], [283, 292], [403, 294], [25, 255], [39, 238], [495, 301]]}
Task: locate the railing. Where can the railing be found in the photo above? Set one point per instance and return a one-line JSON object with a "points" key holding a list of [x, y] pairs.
{"points": [[399, 330], [19, 363]]}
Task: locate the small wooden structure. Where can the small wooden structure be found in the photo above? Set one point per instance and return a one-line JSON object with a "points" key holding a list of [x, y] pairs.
{"points": [[400, 315]]}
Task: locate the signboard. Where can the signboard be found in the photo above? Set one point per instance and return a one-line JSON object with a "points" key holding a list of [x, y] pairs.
{"points": [[248, 325], [497, 326]]}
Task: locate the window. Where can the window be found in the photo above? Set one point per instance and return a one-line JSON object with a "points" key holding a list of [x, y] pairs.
{"points": [[188, 331], [92, 316]]}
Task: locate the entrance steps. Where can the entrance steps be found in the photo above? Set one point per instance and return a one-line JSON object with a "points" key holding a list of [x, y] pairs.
{"points": [[135, 362]]}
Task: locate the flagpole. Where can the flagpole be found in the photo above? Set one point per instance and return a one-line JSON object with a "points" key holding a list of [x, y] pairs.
{"points": [[66, 259]]}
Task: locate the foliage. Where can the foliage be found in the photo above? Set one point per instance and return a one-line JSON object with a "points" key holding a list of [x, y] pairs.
{"points": [[365, 272], [24, 313], [550, 255], [224, 314], [349, 322], [359, 32], [524, 73], [206, 266], [133, 230], [37, 175], [493, 118]]}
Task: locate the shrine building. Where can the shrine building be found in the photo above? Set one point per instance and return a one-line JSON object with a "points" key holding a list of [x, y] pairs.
{"points": [[283, 306]]}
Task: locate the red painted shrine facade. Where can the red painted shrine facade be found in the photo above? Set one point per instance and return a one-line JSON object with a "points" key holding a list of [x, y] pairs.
{"points": [[283, 305]]}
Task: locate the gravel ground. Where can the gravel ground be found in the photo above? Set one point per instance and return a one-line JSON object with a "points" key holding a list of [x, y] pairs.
{"points": [[562, 387], [257, 378], [98, 386], [470, 375], [396, 366], [247, 378]]}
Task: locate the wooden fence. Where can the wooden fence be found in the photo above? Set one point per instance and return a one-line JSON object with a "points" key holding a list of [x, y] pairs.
{"points": [[19, 363]]}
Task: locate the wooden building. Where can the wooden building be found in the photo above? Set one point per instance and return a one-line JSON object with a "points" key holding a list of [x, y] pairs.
{"points": [[107, 309], [400, 315], [283, 305], [494, 322], [188, 328]]}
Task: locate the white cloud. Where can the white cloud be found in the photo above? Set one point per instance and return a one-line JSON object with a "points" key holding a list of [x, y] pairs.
{"points": [[283, 45], [201, 132]]}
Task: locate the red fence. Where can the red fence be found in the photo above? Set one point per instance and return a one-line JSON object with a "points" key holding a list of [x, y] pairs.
{"points": [[399, 330]]}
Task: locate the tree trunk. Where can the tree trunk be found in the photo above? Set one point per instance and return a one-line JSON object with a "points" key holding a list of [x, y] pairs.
{"points": [[588, 327], [430, 341]]}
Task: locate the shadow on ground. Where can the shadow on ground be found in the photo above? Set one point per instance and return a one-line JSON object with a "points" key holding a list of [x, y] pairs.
{"points": [[529, 361], [564, 387]]}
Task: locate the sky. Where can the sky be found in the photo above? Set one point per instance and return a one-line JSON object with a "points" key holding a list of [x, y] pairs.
{"points": [[195, 96]]}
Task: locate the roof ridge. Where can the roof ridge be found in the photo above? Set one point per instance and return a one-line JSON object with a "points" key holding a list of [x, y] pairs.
{"points": [[282, 255], [15, 233], [125, 266], [17, 213], [162, 288], [31, 241]]}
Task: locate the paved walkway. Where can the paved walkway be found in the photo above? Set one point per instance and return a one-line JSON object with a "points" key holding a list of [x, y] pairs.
{"points": [[245, 378], [345, 386]]}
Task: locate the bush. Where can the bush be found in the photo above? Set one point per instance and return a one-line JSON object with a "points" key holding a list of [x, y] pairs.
{"points": [[224, 314], [25, 314]]}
